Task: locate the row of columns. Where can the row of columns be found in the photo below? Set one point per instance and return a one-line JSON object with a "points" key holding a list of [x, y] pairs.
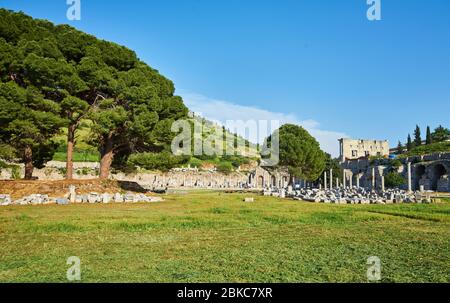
{"points": [[344, 180]]}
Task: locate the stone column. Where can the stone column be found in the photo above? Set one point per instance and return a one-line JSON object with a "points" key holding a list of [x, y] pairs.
{"points": [[325, 180], [409, 177], [358, 176], [72, 194], [373, 178], [337, 182], [351, 180], [331, 179], [382, 183], [344, 181]]}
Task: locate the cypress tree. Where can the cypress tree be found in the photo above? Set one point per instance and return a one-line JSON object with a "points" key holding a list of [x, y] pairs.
{"points": [[409, 144], [400, 148], [429, 138], [417, 136]]}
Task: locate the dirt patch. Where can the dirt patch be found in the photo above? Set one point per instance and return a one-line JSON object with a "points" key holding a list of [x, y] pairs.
{"points": [[19, 189]]}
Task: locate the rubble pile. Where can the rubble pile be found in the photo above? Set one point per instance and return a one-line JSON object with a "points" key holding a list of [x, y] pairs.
{"points": [[352, 196], [90, 198]]}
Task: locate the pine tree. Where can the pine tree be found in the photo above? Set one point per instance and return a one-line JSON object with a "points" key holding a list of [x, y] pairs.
{"points": [[66, 75], [417, 136], [409, 144], [399, 148], [429, 138], [440, 134]]}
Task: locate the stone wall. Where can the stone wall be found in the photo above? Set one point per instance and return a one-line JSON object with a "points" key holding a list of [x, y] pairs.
{"points": [[188, 178], [356, 149], [430, 172], [259, 178]]}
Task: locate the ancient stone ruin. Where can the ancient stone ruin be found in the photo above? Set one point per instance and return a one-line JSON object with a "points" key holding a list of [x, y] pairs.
{"points": [[73, 198], [423, 173]]}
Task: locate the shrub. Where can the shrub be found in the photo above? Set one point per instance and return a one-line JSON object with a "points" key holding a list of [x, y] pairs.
{"points": [[7, 152], [225, 167], [194, 162], [396, 163], [428, 149], [393, 180], [236, 161], [156, 161]]}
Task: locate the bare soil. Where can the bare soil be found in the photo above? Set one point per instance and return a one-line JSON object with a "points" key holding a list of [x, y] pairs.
{"points": [[18, 189]]}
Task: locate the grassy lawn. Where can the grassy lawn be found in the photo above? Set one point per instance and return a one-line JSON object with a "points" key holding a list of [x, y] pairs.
{"points": [[77, 157], [215, 237]]}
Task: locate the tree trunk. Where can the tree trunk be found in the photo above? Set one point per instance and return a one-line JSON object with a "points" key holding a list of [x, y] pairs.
{"points": [[28, 160], [107, 158], [70, 145]]}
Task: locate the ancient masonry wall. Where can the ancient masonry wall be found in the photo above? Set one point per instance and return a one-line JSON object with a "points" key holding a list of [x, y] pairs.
{"points": [[259, 178], [431, 172]]}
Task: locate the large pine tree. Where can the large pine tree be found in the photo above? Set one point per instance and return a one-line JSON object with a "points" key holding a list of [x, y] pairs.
{"points": [[131, 105]]}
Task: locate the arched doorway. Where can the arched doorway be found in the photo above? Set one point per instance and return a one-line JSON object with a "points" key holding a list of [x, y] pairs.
{"points": [[273, 181], [260, 182], [438, 171], [419, 172]]}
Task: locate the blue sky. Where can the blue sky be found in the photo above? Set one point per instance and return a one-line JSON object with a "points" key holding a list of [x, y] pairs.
{"points": [[319, 63]]}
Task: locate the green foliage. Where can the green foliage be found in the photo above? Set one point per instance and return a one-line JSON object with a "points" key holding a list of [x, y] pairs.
{"points": [[440, 134], [156, 161], [225, 167], [29, 121], [15, 169], [58, 71], [400, 148], [333, 163], [417, 136], [376, 159], [394, 180], [428, 149], [396, 163], [409, 144], [7, 152], [429, 139], [80, 156], [15, 172], [299, 151], [195, 162], [236, 161]]}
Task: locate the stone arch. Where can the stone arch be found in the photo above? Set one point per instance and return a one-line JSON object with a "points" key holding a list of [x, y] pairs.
{"points": [[260, 182], [273, 181], [285, 181], [438, 171], [419, 172]]}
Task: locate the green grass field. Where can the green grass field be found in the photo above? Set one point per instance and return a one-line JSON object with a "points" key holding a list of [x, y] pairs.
{"points": [[215, 237]]}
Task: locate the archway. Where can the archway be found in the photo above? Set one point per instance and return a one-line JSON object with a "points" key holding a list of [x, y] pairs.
{"points": [[438, 171], [419, 172], [260, 182], [273, 181]]}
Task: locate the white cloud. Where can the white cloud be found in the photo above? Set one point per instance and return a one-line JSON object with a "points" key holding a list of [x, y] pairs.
{"points": [[222, 111]]}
